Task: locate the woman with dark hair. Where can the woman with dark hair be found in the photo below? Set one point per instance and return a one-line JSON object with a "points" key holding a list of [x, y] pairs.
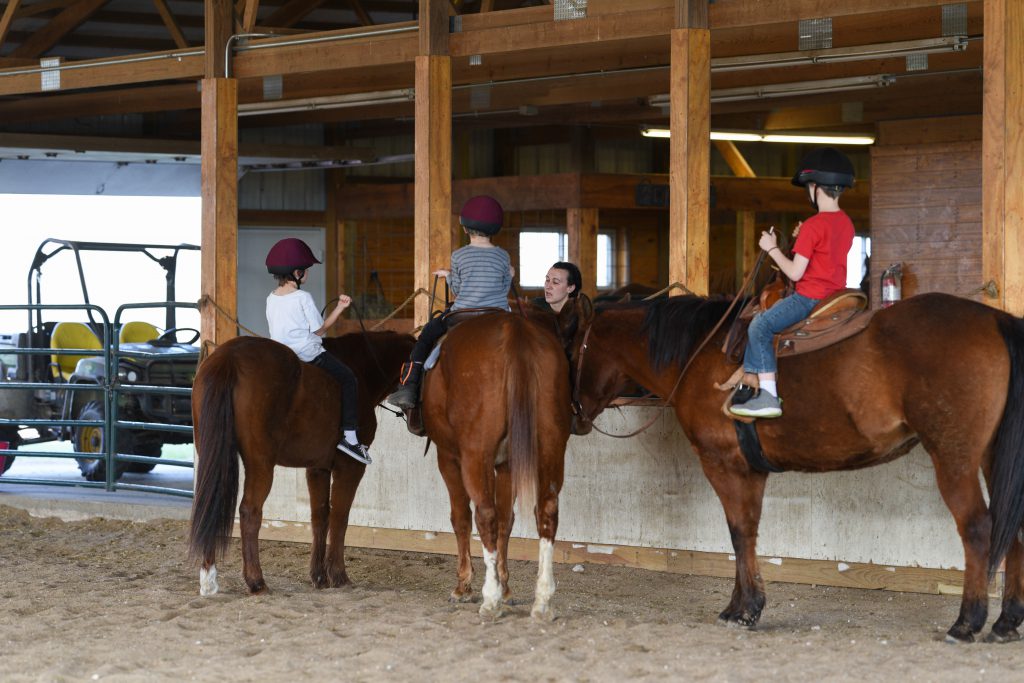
{"points": [[563, 282]]}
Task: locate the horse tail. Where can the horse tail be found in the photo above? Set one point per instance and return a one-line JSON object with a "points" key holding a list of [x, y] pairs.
{"points": [[1007, 485], [522, 386], [216, 475]]}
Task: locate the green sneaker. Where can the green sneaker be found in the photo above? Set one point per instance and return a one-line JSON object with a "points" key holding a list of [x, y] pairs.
{"points": [[762, 404]]}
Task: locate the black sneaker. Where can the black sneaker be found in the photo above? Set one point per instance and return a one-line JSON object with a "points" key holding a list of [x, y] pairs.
{"points": [[356, 450]]}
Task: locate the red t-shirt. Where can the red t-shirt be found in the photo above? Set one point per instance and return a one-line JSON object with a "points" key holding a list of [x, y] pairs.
{"points": [[824, 240]]}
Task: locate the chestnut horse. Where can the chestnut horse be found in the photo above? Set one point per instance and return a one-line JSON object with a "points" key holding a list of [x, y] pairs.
{"points": [[935, 369], [253, 397], [497, 407]]}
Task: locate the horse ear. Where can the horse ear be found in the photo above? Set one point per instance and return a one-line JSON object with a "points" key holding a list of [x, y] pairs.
{"points": [[586, 309]]}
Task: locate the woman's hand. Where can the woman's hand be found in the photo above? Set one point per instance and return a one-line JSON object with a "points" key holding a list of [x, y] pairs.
{"points": [[796, 230], [441, 272], [768, 241]]}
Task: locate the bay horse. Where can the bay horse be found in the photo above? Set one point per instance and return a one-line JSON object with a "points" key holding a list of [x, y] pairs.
{"points": [[497, 407], [254, 398], [934, 369]]}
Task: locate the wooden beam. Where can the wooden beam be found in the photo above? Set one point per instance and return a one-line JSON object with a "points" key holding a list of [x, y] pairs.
{"points": [[1003, 153], [171, 23], [581, 226], [250, 9], [364, 17], [690, 173], [58, 27], [43, 7], [106, 72], [219, 280], [433, 33], [734, 158], [8, 17], [433, 187], [691, 14], [292, 12], [219, 22]]}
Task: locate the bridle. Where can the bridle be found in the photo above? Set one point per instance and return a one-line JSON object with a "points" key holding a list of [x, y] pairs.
{"points": [[577, 406]]}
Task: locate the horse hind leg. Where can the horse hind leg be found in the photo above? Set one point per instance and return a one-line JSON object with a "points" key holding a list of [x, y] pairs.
{"points": [[319, 484], [1004, 630], [547, 525], [345, 480], [506, 518], [462, 523], [258, 479], [208, 578]]}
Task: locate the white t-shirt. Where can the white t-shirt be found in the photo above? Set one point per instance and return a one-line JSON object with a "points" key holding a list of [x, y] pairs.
{"points": [[293, 318]]}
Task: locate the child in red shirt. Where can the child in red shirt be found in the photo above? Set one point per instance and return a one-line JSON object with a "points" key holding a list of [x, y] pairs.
{"points": [[818, 269]]}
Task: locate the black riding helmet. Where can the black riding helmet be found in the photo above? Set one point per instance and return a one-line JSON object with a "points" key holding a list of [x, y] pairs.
{"points": [[825, 166]]}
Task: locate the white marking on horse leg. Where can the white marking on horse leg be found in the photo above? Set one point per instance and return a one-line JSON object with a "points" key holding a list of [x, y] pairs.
{"points": [[545, 582], [208, 580], [492, 589]]}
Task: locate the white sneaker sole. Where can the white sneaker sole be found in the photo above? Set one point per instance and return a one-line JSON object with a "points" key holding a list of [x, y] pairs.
{"points": [[764, 412]]}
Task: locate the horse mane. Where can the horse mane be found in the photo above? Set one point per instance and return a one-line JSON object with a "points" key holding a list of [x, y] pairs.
{"points": [[676, 325]]}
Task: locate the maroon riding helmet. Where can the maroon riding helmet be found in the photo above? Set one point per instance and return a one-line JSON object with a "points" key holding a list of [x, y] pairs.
{"points": [[483, 214], [289, 255]]}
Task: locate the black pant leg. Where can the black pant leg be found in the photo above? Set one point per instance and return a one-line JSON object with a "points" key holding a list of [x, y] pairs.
{"points": [[429, 335], [349, 387]]}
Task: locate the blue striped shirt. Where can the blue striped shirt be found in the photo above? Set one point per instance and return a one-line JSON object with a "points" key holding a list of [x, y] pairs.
{"points": [[480, 277]]}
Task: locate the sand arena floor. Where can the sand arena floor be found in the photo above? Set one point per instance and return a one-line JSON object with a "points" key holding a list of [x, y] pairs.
{"points": [[112, 600]]}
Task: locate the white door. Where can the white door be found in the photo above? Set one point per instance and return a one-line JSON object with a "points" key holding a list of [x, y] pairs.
{"points": [[255, 283]]}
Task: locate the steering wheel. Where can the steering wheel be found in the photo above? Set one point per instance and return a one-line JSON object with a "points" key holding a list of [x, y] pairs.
{"points": [[171, 335]]}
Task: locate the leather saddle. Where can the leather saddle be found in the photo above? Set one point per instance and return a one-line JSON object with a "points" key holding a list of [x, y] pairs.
{"points": [[834, 319]]}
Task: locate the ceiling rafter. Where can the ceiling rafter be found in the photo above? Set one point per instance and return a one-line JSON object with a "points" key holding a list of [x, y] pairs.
{"points": [[8, 18], [58, 27], [171, 23], [292, 12], [364, 17]]}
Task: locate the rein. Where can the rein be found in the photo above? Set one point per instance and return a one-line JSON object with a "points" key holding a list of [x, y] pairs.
{"points": [[577, 407]]}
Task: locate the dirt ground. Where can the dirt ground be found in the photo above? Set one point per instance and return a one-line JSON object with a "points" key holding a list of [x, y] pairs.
{"points": [[116, 601]]}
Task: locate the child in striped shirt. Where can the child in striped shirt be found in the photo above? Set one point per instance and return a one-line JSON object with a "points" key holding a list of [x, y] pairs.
{"points": [[480, 276]]}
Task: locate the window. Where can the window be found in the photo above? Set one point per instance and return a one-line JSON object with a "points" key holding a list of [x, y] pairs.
{"points": [[857, 261], [538, 249]]}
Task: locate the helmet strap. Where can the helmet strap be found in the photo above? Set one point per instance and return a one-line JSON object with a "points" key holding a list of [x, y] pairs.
{"points": [[297, 280], [813, 194]]}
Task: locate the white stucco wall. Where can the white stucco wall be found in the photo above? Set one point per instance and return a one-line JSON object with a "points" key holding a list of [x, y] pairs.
{"points": [[649, 490]]}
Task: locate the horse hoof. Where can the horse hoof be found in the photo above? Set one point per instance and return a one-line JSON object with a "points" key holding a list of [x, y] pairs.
{"points": [[542, 613], [258, 588], [1010, 636], [492, 612], [738, 622], [959, 638], [461, 597]]}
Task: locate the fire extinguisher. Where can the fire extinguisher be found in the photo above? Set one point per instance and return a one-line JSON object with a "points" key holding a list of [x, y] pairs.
{"points": [[892, 284]]}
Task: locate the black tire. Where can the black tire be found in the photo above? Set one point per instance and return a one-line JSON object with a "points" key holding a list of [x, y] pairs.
{"points": [[12, 440], [92, 440], [140, 446]]}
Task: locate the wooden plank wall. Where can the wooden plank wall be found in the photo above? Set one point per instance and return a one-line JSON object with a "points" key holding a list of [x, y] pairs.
{"points": [[926, 213]]}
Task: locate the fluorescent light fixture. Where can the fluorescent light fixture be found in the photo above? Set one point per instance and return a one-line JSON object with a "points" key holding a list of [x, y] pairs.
{"points": [[753, 136], [841, 54], [655, 132], [820, 139], [761, 92], [367, 99], [736, 135]]}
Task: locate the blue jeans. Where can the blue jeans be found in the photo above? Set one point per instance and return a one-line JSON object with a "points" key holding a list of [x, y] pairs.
{"points": [[760, 355]]}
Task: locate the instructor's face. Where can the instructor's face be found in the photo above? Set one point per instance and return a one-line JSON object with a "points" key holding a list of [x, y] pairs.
{"points": [[557, 288]]}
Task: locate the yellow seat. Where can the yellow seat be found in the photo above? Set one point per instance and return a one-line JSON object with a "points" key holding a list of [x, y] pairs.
{"points": [[71, 336], [138, 332]]}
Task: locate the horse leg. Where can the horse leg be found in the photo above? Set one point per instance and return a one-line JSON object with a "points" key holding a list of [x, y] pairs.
{"points": [[347, 474], [258, 479], [506, 518], [462, 522], [961, 491], [478, 478], [1005, 628], [319, 484], [549, 484], [741, 494], [208, 577]]}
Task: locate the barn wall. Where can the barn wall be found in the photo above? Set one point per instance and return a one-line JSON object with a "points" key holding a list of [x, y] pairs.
{"points": [[649, 491], [926, 213]]}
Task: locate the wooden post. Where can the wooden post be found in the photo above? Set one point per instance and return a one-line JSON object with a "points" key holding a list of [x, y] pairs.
{"points": [[219, 171], [1003, 153], [746, 243], [433, 188], [581, 225], [690, 162], [334, 240]]}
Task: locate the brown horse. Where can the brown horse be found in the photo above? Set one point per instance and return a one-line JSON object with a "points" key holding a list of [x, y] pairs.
{"points": [[497, 407], [935, 369], [253, 397]]}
